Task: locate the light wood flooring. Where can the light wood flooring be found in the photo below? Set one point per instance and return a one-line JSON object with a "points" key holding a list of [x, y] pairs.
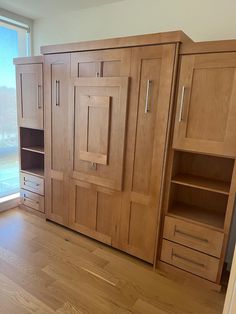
{"points": [[45, 268]]}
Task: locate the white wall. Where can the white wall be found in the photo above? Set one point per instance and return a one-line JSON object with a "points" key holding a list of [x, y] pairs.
{"points": [[200, 19]]}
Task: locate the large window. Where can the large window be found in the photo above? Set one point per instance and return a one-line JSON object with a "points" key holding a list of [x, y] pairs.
{"points": [[13, 43]]}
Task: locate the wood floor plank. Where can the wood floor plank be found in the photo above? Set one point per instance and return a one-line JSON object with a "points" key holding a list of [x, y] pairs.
{"points": [[22, 298], [45, 269]]}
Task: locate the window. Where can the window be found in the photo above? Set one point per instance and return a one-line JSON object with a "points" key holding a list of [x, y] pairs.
{"points": [[14, 42]]}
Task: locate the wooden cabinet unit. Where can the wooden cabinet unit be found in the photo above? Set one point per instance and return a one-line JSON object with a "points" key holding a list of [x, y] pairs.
{"points": [[30, 103], [140, 147], [200, 177]]}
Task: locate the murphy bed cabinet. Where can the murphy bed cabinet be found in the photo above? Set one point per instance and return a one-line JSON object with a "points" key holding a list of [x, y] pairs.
{"points": [[30, 103], [106, 116], [140, 147]]}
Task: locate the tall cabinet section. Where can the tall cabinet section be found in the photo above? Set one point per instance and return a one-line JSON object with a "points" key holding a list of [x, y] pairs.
{"points": [[30, 103], [201, 182], [56, 86]]}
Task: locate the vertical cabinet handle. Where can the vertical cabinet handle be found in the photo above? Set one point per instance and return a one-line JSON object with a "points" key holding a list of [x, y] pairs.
{"points": [[182, 104], [57, 93], [149, 83], [39, 97]]}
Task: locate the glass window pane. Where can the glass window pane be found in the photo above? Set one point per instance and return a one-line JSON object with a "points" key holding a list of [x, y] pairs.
{"points": [[9, 159]]}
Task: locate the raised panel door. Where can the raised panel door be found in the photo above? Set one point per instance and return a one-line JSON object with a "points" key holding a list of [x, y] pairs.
{"points": [[151, 83], [57, 74], [29, 80], [206, 111]]}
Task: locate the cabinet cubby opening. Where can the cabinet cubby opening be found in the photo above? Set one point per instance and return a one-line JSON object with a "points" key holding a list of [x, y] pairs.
{"points": [[211, 173], [32, 140], [32, 162], [201, 206]]}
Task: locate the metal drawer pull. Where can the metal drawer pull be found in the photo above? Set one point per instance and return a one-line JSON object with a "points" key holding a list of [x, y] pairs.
{"points": [[190, 236], [39, 97], [30, 199], [182, 104], [57, 93], [36, 184], [147, 109], [187, 260]]}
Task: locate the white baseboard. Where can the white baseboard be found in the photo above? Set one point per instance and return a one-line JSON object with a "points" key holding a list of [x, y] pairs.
{"points": [[9, 202]]}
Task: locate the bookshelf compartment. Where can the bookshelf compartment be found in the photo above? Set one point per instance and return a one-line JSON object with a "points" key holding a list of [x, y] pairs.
{"points": [[32, 140], [204, 172], [32, 162], [196, 205]]}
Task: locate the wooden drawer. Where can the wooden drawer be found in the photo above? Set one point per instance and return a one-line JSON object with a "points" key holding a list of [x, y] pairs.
{"points": [[196, 237], [32, 183], [192, 261], [32, 200]]}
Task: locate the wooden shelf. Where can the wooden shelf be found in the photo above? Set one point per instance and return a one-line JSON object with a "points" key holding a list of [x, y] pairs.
{"points": [[35, 149], [35, 171], [197, 214], [202, 183]]}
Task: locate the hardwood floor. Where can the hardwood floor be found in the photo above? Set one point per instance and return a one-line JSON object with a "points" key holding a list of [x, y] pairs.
{"points": [[45, 268]]}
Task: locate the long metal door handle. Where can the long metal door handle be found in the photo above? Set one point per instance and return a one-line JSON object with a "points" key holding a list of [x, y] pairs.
{"points": [[147, 109], [185, 234], [39, 97], [57, 93], [182, 104]]}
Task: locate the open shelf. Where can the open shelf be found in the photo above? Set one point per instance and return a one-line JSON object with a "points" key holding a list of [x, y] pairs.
{"points": [[198, 205], [213, 185], [35, 149], [31, 139], [197, 214], [32, 162], [211, 173]]}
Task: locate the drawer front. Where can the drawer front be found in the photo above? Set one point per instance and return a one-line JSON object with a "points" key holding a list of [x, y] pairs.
{"points": [[189, 260], [196, 237], [32, 200], [32, 183]]}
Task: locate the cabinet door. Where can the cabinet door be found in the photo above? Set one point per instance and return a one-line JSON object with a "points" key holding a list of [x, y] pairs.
{"points": [[29, 80], [98, 110], [206, 110], [57, 75], [151, 82]]}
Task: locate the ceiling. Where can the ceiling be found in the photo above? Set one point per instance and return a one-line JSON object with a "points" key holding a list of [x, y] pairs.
{"points": [[43, 8]]}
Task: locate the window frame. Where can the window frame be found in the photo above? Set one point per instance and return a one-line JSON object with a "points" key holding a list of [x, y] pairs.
{"points": [[23, 26]]}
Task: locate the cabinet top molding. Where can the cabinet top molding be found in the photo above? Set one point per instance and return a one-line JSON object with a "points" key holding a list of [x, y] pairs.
{"points": [[28, 60], [208, 46], [122, 42]]}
